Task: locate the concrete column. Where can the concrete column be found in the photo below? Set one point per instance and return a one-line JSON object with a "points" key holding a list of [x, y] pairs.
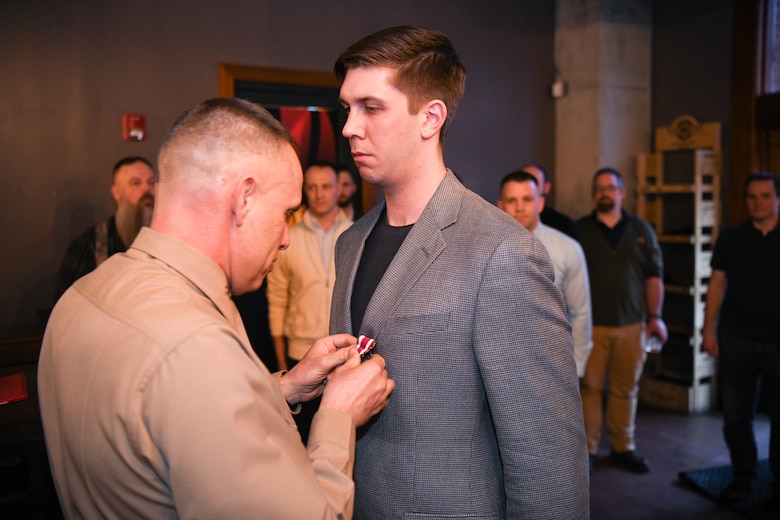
{"points": [[603, 57]]}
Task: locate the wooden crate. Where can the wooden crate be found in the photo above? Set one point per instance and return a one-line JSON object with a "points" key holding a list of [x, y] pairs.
{"points": [[678, 192], [676, 397]]}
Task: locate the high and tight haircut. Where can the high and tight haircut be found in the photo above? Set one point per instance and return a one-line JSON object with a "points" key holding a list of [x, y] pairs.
{"points": [[230, 124], [763, 176], [427, 65], [519, 176], [126, 161], [611, 171]]}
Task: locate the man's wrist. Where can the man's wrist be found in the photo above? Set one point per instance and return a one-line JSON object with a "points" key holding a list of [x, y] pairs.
{"points": [[286, 388], [653, 316], [292, 403]]}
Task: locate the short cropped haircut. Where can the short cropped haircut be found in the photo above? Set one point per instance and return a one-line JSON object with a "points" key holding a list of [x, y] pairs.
{"points": [[427, 65], [126, 161], [519, 176], [610, 171], [220, 125], [324, 164], [763, 176]]}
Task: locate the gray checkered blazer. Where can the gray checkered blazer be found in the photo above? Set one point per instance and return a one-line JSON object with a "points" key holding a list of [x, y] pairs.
{"points": [[485, 420]]}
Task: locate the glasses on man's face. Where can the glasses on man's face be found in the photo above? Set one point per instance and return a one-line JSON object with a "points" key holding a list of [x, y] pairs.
{"points": [[605, 189]]}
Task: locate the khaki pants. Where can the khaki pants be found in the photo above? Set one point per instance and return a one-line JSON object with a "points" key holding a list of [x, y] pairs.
{"points": [[619, 355]]}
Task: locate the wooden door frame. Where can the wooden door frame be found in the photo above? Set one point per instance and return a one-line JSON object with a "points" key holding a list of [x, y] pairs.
{"points": [[755, 116], [228, 74], [744, 135]]}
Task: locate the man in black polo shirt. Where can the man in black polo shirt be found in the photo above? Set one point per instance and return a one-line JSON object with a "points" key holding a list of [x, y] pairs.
{"points": [[625, 268], [743, 304]]}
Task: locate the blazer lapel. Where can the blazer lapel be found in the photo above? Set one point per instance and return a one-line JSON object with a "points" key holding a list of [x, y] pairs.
{"points": [[350, 251], [422, 246]]}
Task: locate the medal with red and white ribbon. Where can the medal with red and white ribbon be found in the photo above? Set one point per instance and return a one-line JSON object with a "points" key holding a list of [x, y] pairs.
{"points": [[365, 346]]}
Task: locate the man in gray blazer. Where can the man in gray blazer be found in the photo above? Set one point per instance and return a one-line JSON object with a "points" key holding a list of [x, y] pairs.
{"points": [[485, 420]]}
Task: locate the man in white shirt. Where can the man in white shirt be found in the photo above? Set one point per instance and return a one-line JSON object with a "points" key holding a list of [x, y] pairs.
{"points": [[520, 197]]}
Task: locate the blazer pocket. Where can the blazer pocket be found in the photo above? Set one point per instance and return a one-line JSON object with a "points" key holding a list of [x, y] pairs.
{"points": [[423, 323], [426, 516]]}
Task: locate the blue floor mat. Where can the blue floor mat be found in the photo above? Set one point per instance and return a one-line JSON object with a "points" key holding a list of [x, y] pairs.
{"points": [[711, 481]]}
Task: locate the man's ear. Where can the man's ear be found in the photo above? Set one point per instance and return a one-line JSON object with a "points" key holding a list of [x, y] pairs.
{"points": [[435, 116], [243, 199], [115, 192]]}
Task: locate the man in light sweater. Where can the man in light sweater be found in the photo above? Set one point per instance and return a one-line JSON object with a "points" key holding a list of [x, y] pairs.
{"points": [[301, 284]]}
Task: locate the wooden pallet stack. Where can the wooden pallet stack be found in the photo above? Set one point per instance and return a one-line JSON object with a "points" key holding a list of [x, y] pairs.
{"points": [[678, 192]]}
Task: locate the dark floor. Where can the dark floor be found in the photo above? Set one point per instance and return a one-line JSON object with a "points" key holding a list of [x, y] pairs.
{"points": [[672, 443]]}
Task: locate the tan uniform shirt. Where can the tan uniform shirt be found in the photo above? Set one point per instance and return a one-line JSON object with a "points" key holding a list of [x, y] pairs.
{"points": [[155, 406]]}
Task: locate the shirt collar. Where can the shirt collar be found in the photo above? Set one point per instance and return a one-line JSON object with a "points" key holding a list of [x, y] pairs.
{"points": [[200, 270]]}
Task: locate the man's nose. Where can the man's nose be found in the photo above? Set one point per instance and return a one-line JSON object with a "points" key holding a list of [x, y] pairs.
{"points": [[351, 126]]}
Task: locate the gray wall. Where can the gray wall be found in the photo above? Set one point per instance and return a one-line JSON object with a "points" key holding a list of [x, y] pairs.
{"points": [[71, 69]]}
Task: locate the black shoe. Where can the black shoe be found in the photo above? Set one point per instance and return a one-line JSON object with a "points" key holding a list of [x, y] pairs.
{"points": [[737, 491], [630, 461]]}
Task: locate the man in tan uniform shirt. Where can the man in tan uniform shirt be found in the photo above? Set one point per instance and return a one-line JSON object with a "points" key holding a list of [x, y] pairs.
{"points": [[153, 402]]}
